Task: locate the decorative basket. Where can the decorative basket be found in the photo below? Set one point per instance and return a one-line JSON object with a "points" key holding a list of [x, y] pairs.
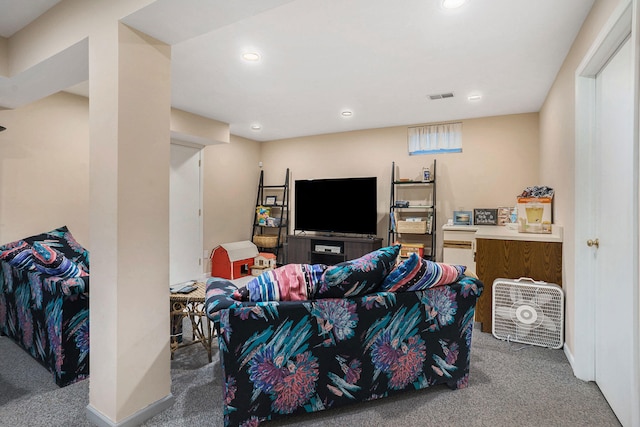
{"points": [[265, 241], [412, 227]]}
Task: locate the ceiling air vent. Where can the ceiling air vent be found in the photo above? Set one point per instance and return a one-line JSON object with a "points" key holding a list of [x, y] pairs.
{"points": [[441, 96]]}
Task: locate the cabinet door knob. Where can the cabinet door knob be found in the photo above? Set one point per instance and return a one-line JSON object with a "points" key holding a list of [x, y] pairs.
{"points": [[594, 242]]}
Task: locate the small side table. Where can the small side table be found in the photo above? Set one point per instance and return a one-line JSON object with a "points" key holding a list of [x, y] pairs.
{"points": [[191, 305]]}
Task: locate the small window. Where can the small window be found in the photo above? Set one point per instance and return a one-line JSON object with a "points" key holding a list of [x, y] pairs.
{"points": [[433, 139]]}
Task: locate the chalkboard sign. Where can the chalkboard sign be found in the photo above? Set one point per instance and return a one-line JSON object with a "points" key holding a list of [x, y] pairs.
{"points": [[485, 216]]}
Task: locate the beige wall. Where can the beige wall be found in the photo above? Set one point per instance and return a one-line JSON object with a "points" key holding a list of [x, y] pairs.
{"points": [[197, 129], [4, 63], [557, 146], [230, 176], [54, 132], [63, 25], [499, 159], [44, 175], [44, 168]]}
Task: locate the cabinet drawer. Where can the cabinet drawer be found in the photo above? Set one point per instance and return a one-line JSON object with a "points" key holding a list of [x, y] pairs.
{"points": [[457, 244], [455, 235]]}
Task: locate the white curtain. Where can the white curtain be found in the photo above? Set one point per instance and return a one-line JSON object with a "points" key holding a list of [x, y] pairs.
{"points": [[439, 138]]}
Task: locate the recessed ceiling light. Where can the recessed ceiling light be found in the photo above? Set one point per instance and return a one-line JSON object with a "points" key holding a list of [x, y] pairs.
{"points": [[452, 4], [251, 56], [347, 113], [256, 127], [474, 97]]}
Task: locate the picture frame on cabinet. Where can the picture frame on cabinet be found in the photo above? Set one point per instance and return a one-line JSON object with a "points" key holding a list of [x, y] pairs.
{"points": [[504, 215], [462, 218], [485, 216]]}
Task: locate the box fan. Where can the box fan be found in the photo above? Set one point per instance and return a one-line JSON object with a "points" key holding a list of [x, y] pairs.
{"points": [[528, 311]]}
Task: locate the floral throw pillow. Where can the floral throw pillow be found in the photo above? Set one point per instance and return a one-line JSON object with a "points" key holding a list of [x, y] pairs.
{"points": [[359, 276], [50, 261], [18, 254], [415, 274]]}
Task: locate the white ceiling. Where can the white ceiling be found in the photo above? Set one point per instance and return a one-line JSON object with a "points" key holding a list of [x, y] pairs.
{"points": [[378, 58]]}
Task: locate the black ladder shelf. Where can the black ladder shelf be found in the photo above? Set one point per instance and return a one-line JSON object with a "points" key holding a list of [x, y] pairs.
{"points": [[269, 237], [412, 233]]}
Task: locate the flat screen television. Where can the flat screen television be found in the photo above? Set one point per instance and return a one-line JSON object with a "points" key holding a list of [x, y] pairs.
{"points": [[339, 205]]}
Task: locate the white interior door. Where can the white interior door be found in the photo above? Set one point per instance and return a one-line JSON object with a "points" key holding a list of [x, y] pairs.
{"points": [[185, 214], [616, 214]]}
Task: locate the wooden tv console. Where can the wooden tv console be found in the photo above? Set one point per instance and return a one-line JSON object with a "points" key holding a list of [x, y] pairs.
{"points": [[330, 250]]}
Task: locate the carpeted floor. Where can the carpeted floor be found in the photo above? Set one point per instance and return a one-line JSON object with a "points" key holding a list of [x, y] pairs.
{"points": [[511, 384]]}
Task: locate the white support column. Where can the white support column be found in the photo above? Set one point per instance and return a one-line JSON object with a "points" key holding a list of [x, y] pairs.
{"points": [[130, 96]]}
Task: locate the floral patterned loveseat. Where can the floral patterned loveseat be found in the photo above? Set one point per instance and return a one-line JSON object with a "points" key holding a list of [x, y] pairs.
{"points": [[44, 301], [394, 328]]}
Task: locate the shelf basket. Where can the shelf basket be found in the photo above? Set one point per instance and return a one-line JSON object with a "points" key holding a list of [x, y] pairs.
{"points": [[412, 227], [265, 240]]}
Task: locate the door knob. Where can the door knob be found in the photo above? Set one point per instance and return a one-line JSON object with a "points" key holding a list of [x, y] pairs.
{"points": [[594, 242]]}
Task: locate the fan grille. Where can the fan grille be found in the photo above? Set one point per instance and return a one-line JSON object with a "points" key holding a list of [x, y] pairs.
{"points": [[531, 313]]}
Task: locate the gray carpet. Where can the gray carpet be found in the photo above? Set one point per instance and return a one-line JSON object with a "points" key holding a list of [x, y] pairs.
{"points": [[511, 384]]}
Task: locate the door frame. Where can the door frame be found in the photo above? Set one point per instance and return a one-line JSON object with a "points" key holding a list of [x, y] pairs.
{"points": [[623, 21], [200, 243]]}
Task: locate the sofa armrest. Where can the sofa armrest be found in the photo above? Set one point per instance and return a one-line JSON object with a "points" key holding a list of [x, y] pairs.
{"points": [[61, 286]]}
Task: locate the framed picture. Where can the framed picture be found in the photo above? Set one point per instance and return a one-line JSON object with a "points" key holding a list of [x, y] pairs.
{"points": [[426, 175], [504, 215], [462, 218], [485, 216], [270, 200]]}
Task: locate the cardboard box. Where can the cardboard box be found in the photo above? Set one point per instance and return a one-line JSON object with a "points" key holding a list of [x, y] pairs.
{"points": [[407, 249], [535, 214]]}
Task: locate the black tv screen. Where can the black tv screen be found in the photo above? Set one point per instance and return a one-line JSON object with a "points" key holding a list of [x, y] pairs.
{"points": [[341, 205]]}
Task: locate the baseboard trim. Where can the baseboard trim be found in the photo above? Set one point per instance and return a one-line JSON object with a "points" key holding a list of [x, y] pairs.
{"points": [[99, 419], [572, 361], [567, 352]]}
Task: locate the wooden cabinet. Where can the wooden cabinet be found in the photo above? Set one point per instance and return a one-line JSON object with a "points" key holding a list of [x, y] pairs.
{"points": [[328, 250], [512, 259]]}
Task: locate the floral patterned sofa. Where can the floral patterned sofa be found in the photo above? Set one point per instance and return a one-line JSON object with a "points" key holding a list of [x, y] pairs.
{"points": [[44, 301], [394, 328]]}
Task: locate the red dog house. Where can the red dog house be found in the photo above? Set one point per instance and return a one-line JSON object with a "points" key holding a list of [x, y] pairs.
{"points": [[233, 260]]}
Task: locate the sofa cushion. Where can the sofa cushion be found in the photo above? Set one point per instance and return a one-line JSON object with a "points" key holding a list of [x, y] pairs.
{"points": [[63, 241], [52, 262], [291, 282], [218, 295], [18, 254], [416, 274], [298, 282], [359, 276]]}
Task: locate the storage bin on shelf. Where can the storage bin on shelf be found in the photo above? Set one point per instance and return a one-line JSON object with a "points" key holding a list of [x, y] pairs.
{"points": [[412, 227], [406, 249]]}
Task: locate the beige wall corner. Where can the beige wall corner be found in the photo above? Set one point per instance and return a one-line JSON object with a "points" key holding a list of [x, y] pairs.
{"points": [[63, 25], [231, 175], [197, 129], [557, 147]]}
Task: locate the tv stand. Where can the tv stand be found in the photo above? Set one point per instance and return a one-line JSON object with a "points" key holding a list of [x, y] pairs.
{"points": [[330, 250]]}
